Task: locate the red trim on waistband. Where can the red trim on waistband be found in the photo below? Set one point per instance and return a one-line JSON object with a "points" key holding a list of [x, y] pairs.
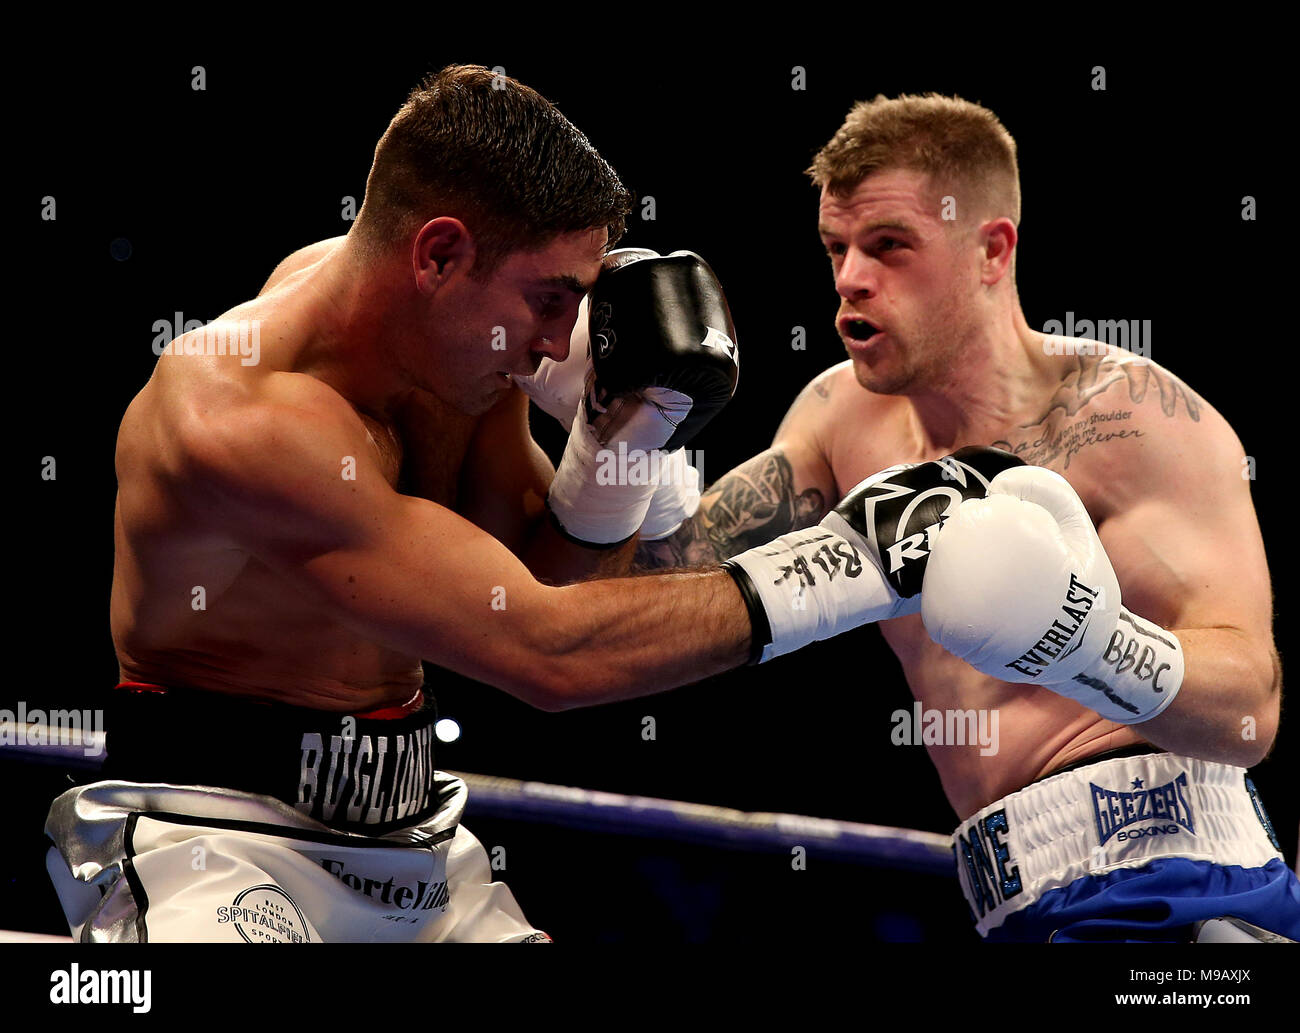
{"points": [[393, 713], [382, 714], [140, 686]]}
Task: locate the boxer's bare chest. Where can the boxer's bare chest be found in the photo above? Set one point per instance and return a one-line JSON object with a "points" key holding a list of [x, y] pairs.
{"points": [[422, 454], [1072, 444], [386, 444], [975, 770], [1097, 428]]}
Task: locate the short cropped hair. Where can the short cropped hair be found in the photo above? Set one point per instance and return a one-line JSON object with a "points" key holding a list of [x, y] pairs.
{"points": [[961, 146], [495, 154]]}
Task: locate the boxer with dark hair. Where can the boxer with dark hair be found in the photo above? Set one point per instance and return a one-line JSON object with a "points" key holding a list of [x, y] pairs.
{"points": [[296, 533]]}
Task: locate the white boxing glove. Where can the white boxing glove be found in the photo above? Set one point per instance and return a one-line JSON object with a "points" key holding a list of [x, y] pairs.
{"points": [[865, 561], [1019, 586]]}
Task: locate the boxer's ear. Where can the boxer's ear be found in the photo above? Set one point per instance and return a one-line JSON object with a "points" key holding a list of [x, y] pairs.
{"points": [[442, 247]]}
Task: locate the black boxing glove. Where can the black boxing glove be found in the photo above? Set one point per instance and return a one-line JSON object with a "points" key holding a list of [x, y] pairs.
{"points": [[865, 561], [664, 362], [662, 323]]}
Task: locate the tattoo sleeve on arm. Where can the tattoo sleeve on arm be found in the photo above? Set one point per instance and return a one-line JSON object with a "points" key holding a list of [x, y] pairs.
{"points": [[751, 505]]}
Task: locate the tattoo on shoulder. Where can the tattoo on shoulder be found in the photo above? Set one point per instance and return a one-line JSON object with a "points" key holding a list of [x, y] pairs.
{"points": [[1063, 430], [751, 505], [822, 388], [1094, 375]]}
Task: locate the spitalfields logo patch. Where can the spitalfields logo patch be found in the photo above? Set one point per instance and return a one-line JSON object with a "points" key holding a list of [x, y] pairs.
{"points": [[265, 914], [1117, 809]]}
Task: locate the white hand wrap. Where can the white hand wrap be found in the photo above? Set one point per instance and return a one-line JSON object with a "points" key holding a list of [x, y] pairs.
{"points": [[600, 493], [558, 388]]}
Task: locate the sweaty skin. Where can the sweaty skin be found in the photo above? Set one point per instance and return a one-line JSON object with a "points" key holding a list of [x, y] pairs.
{"points": [[1159, 470], [366, 496]]}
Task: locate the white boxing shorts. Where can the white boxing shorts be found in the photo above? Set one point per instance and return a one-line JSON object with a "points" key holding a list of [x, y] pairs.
{"points": [[224, 820], [162, 863]]}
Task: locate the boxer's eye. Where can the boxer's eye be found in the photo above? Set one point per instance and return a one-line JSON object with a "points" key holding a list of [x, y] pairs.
{"points": [[550, 305]]}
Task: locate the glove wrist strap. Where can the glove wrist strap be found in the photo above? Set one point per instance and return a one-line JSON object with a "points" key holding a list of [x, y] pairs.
{"points": [[811, 585], [1136, 676]]}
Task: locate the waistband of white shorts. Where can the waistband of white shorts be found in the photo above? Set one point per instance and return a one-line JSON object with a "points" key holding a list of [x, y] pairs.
{"points": [[369, 773], [1122, 812]]}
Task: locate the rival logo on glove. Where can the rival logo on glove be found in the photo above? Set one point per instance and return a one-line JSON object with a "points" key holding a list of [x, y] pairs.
{"points": [[830, 551], [902, 510], [602, 335], [715, 338]]}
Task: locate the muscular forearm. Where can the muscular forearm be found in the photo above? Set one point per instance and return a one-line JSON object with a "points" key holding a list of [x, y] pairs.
{"points": [[1227, 707], [622, 638]]}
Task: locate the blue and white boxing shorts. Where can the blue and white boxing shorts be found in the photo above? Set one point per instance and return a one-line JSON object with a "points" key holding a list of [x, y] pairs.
{"points": [[1131, 848]]}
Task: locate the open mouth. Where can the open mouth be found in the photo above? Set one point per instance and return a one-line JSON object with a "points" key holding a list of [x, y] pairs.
{"points": [[858, 329]]}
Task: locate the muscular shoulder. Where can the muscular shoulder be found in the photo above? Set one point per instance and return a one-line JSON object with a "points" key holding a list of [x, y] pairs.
{"points": [[854, 430], [269, 444], [1124, 427], [281, 418], [827, 402], [299, 260]]}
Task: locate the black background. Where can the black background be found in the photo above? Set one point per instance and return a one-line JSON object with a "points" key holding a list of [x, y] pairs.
{"points": [[1132, 210]]}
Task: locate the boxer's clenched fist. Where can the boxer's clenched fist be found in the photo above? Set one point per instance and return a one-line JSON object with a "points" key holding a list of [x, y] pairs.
{"points": [[663, 350], [558, 387], [1020, 588], [866, 560], [652, 359]]}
